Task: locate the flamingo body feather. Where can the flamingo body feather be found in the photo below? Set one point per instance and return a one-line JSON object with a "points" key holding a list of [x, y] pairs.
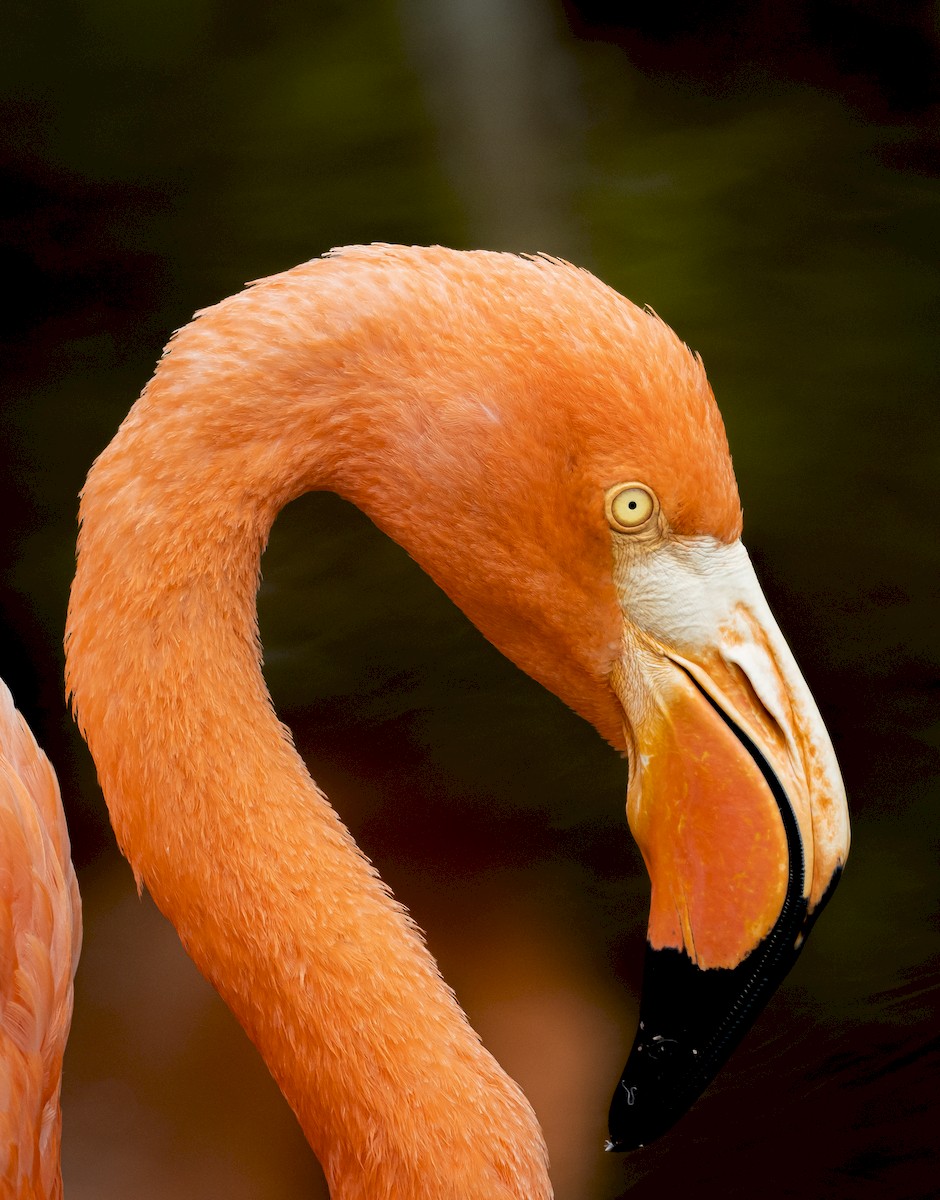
{"points": [[40, 937]]}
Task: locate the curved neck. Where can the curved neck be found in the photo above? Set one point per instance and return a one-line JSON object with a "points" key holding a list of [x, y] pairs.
{"points": [[214, 808]]}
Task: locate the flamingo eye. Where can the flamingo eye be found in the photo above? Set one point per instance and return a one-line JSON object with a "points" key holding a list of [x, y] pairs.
{"points": [[630, 507]]}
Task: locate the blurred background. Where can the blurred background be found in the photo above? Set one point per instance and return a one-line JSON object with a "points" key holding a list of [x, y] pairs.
{"points": [[766, 177]]}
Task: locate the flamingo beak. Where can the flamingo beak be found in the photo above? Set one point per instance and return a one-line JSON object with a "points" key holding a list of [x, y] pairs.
{"points": [[736, 802]]}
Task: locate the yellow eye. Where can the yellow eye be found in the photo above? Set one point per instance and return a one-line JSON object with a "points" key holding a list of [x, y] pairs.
{"points": [[630, 507]]}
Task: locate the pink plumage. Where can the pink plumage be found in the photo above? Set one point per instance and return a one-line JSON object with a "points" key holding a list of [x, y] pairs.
{"points": [[40, 938]]}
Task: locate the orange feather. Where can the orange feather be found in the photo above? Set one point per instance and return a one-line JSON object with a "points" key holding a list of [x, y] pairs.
{"points": [[40, 938]]}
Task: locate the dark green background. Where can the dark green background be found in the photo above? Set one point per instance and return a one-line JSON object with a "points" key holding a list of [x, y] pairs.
{"points": [[766, 178]]}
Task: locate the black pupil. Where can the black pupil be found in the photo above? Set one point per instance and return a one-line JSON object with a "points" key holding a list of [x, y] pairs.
{"points": [[632, 504]]}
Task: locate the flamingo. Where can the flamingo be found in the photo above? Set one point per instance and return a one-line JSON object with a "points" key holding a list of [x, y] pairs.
{"points": [[553, 457], [40, 937]]}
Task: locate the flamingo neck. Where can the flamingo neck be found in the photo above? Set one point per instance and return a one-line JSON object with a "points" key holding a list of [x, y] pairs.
{"points": [[220, 819]]}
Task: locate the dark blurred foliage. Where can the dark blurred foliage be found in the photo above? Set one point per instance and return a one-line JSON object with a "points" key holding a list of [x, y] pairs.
{"points": [[882, 58], [766, 177]]}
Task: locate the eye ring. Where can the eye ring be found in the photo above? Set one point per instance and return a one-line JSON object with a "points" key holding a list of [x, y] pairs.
{"points": [[630, 507]]}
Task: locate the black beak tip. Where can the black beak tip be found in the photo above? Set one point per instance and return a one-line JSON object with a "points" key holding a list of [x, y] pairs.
{"points": [[690, 1021], [612, 1147], [662, 1078]]}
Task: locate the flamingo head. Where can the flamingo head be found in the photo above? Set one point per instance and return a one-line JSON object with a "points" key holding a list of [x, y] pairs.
{"points": [[575, 496]]}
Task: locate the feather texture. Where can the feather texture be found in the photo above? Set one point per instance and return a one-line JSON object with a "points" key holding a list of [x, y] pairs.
{"points": [[40, 938]]}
